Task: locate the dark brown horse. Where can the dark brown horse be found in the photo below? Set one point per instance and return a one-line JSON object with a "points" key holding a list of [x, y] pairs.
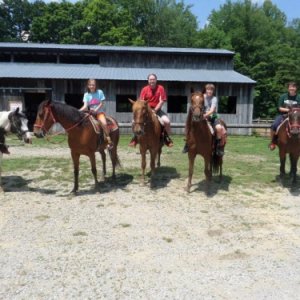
{"points": [[289, 142], [200, 140], [147, 128], [83, 138]]}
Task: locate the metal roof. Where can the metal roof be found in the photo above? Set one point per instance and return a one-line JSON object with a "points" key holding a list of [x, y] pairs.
{"points": [[71, 71], [97, 48]]}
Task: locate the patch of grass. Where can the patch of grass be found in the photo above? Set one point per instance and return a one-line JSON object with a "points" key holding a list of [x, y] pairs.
{"points": [[247, 163]]}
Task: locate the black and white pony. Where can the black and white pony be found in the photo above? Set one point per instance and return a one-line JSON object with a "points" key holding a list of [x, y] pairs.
{"points": [[15, 122]]}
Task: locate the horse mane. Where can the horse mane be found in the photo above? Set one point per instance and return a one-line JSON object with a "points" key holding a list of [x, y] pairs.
{"points": [[68, 111]]}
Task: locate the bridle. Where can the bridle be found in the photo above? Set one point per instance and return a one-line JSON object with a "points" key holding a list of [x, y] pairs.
{"points": [[290, 126], [201, 108], [48, 112]]}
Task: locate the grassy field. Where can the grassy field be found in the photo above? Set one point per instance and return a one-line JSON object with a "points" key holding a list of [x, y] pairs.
{"points": [[247, 161]]}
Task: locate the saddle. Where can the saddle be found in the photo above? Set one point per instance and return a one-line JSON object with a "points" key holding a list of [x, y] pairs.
{"points": [[280, 125], [112, 124]]}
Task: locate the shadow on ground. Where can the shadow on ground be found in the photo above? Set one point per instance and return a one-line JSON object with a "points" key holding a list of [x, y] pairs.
{"points": [[19, 184]]}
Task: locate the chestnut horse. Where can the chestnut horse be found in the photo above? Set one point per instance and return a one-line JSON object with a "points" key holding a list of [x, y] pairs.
{"points": [[289, 142], [200, 140], [83, 138], [147, 128]]}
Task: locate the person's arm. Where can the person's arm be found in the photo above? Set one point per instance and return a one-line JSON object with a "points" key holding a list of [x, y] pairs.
{"points": [[213, 108], [85, 104], [281, 107], [162, 99]]}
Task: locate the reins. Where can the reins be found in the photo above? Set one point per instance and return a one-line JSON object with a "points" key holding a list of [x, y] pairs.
{"points": [[48, 136]]}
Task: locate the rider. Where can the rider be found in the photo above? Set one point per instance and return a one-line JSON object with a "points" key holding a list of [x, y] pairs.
{"points": [[93, 100], [211, 108], [285, 101], [156, 96]]}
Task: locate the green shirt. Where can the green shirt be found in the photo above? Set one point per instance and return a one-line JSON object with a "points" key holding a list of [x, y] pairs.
{"points": [[283, 100]]}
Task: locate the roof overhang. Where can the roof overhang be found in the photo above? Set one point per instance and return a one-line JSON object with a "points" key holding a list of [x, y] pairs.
{"points": [[72, 71]]}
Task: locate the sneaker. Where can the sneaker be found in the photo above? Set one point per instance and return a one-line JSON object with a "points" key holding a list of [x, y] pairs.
{"points": [[272, 146], [132, 143], [110, 146], [170, 144]]}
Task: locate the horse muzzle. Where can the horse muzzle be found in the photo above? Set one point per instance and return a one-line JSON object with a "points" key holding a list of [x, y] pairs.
{"points": [[295, 131], [27, 137]]}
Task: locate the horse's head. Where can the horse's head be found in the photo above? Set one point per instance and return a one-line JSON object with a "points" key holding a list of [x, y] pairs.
{"points": [[44, 119], [197, 106], [19, 125], [141, 112], [294, 121]]}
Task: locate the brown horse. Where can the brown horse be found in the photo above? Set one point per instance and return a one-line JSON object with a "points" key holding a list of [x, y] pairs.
{"points": [[200, 140], [147, 128], [83, 137], [289, 142]]}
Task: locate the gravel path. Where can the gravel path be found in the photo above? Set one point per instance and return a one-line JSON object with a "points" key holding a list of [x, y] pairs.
{"points": [[130, 242]]}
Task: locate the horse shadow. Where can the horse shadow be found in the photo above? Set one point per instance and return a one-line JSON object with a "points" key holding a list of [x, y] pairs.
{"points": [[214, 186], [121, 181], [286, 182], [19, 184], [162, 176]]}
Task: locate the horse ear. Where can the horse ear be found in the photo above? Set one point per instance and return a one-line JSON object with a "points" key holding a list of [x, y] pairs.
{"points": [[17, 110], [131, 101]]}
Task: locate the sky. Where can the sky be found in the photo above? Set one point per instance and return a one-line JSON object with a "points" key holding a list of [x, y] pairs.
{"points": [[203, 8]]}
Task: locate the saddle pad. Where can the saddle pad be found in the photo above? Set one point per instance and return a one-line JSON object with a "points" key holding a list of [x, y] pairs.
{"points": [[111, 123]]}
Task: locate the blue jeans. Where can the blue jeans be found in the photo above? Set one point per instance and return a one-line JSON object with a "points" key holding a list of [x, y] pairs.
{"points": [[278, 120]]}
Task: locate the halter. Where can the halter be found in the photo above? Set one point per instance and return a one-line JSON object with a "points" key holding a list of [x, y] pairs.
{"points": [[202, 110]]}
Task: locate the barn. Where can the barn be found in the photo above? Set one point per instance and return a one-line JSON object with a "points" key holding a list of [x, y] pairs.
{"points": [[31, 73]]}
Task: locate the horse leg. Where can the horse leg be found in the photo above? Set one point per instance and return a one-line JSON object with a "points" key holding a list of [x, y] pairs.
{"points": [[113, 158], [143, 166], [208, 169], [1, 156], [75, 158], [158, 156], [92, 158], [191, 171], [282, 163], [103, 158], [293, 171]]}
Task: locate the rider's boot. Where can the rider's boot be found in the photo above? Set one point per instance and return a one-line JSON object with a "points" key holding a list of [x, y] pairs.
{"points": [[168, 141], [273, 143], [185, 148], [110, 144]]}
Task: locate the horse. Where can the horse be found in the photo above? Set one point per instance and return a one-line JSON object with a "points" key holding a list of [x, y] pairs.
{"points": [[289, 142], [84, 136], [148, 130], [15, 122], [200, 140]]}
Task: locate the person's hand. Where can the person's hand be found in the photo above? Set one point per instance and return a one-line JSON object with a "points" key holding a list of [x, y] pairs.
{"points": [[93, 113]]}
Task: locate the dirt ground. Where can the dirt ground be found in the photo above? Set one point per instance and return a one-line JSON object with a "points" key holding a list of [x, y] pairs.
{"points": [[131, 242]]}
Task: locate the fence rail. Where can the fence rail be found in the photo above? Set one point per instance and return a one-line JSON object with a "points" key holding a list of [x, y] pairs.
{"points": [[182, 125]]}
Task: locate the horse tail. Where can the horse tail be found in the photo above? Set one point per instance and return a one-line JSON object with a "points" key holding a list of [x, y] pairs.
{"points": [[216, 163], [117, 159]]}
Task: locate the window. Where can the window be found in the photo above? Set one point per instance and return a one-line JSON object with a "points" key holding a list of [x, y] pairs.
{"points": [[227, 104], [177, 104], [123, 104]]}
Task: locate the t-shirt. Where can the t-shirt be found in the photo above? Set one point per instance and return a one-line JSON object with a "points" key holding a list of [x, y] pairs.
{"points": [[94, 99], [286, 100], [210, 102], [153, 96]]}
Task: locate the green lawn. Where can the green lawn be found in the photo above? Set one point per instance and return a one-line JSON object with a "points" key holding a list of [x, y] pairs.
{"points": [[247, 161]]}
